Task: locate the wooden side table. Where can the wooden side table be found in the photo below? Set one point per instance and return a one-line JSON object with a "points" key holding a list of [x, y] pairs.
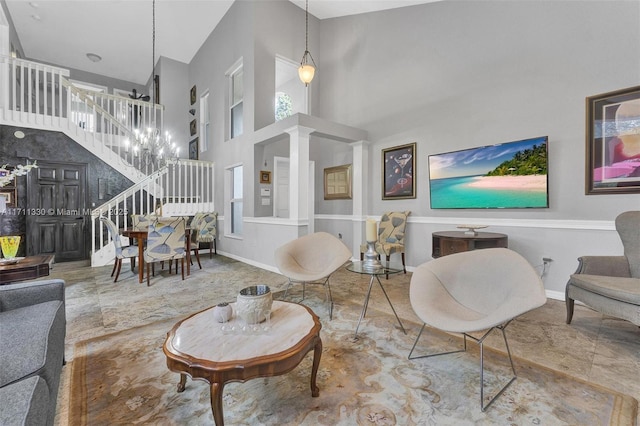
{"points": [[449, 242], [28, 268]]}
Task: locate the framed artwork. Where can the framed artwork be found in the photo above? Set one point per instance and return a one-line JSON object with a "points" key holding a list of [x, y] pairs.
{"points": [[193, 149], [193, 127], [398, 172], [613, 142], [337, 183], [9, 196], [193, 94], [265, 176]]}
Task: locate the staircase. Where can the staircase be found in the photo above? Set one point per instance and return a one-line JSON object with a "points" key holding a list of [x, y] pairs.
{"points": [[41, 96]]}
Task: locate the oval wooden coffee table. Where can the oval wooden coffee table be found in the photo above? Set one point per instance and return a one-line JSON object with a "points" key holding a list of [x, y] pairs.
{"points": [[198, 347]]}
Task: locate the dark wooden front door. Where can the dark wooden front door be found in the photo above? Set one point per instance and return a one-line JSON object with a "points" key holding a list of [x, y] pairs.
{"points": [[56, 213]]}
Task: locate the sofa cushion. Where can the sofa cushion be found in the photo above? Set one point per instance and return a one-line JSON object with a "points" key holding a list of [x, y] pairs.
{"points": [[618, 288], [32, 342], [24, 402]]}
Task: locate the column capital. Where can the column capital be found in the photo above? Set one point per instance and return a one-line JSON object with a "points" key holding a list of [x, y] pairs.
{"points": [[300, 130]]}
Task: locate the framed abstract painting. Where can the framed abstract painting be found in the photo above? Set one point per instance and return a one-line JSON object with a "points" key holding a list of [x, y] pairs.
{"points": [[613, 142]]}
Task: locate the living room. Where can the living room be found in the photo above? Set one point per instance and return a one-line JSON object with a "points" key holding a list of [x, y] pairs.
{"points": [[447, 76]]}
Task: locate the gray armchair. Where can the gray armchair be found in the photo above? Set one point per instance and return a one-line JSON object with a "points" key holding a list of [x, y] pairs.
{"points": [[611, 284]]}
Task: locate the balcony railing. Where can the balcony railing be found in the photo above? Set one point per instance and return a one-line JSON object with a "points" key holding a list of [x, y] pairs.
{"points": [[41, 96]]}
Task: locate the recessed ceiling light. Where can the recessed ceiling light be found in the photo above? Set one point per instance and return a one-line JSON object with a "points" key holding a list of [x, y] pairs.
{"points": [[18, 134], [93, 57], [36, 17], [34, 5]]}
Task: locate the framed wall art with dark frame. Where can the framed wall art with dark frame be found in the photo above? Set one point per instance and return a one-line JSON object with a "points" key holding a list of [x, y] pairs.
{"points": [[398, 172], [9, 195], [193, 149], [193, 127], [613, 142], [265, 176], [337, 183], [192, 95]]}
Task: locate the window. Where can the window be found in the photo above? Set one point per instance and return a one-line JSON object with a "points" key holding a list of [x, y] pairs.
{"points": [[283, 106], [236, 200], [291, 97], [236, 94], [82, 114], [204, 122]]}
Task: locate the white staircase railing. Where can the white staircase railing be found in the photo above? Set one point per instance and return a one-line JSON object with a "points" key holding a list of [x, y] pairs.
{"points": [[182, 188], [31, 93], [40, 96]]}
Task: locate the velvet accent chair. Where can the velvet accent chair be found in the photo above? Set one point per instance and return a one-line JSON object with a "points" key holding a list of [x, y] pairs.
{"points": [[475, 291], [610, 284], [204, 229], [127, 252], [165, 241], [310, 259], [391, 233]]}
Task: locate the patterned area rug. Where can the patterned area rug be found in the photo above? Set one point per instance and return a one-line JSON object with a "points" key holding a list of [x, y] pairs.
{"points": [[122, 378]]}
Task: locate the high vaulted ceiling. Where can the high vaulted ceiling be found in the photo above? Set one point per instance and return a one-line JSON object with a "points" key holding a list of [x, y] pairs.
{"points": [[120, 31]]}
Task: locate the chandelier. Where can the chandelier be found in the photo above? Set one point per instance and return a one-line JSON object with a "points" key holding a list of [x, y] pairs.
{"points": [[307, 70], [152, 149]]}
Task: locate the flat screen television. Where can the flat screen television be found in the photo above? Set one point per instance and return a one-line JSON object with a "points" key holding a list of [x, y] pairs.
{"points": [[504, 176]]}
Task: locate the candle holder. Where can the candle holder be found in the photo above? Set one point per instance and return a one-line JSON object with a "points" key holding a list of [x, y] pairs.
{"points": [[371, 261]]}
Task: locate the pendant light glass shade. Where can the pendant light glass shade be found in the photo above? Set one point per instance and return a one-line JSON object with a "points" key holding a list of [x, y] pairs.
{"points": [[306, 73], [307, 68]]}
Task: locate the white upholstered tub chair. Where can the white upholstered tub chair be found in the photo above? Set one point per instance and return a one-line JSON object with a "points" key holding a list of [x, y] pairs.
{"points": [[312, 258], [474, 291]]}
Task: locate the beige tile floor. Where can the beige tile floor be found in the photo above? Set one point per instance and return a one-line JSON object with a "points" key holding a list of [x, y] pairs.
{"points": [[595, 348]]}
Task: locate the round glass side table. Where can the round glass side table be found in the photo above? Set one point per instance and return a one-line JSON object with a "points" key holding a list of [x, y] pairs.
{"points": [[374, 273]]}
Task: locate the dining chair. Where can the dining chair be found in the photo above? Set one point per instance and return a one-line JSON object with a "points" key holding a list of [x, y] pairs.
{"points": [[165, 241], [205, 230], [140, 222], [127, 252], [391, 233]]}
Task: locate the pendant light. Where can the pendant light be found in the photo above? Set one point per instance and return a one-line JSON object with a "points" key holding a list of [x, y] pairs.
{"points": [[307, 70]]}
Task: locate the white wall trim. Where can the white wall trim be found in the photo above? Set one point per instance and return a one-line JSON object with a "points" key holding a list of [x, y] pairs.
{"points": [[556, 295], [594, 225], [250, 262], [551, 294], [269, 220]]}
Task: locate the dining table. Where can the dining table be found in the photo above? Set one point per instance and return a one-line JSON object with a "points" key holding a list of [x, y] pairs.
{"points": [[140, 235]]}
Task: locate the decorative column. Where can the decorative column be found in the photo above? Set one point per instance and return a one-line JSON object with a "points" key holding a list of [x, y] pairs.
{"points": [[299, 173], [361, 190]]}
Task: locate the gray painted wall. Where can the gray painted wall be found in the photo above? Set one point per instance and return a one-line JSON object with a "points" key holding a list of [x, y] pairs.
{"points": [[448, 76], [175, 95], [459, 74]]}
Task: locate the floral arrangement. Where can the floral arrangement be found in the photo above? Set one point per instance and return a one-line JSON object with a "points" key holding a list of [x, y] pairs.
{"points": [[7, 175]]}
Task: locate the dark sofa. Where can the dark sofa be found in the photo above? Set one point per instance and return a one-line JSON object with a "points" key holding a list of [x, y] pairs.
{"points": [[32, 333]]}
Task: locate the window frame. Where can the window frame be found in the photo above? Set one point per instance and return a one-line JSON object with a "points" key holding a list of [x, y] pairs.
{"points": [[231, 74], [205, 121], [231, 199]]}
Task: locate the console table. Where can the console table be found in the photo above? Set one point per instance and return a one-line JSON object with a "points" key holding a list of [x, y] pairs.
{"points": [[28, 268], [449, 242]]}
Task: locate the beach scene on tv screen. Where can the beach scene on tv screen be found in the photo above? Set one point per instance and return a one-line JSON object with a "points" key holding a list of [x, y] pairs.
{"points": [[507, 175]]}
